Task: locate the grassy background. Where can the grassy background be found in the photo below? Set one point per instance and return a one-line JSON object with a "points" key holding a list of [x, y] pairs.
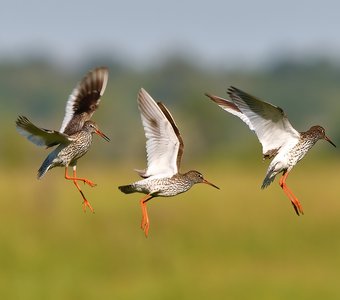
{"points": [[236, 243]]}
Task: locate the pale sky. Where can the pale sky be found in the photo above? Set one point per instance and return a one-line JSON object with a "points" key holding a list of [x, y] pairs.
{"points": [[227, 32]]}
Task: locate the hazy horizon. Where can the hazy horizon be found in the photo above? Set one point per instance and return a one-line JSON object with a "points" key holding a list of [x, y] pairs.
{"points": [[214, 32]]}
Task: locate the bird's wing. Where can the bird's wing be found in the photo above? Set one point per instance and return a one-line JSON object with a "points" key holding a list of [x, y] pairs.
{"points": [[231, 108], [84, 100], [40, 136], [164, 145], [269, 122], [168, 115]]}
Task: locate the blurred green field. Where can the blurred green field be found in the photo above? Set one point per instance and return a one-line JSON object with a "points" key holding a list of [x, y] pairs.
{"points": [[236, 243]]}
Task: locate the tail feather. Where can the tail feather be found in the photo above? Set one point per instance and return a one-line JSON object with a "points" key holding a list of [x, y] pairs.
{"points": [[46, 165], [273, 170], [127, 189], [270, 176], [268, 180]]}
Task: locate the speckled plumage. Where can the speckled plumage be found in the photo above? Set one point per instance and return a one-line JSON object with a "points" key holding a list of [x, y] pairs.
{"points": [[286, 160], [165, 186], [164, 148], [74, 138], [67, 155], [280, 141]]}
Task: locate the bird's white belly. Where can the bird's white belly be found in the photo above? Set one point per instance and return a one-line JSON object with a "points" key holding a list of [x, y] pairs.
{"points": [[289, 157], [165, 187]]}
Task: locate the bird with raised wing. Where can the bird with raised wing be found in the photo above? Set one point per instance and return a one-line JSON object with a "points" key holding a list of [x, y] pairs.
{"points": [[164, 147], [74, 138], [278, 137]]}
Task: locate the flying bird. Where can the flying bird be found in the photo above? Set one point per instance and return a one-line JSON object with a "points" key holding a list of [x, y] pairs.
{"points": [[164, 147], [74, 138], [280, 141]]}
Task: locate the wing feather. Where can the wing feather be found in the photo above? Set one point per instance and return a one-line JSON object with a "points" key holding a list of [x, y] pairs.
{"points": [[40, 136], [269, 122], [231, 108], [162, 142], [84, 100]]}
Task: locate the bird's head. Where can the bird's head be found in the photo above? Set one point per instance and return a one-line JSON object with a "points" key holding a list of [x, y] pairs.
{"points": [[197, 177], [91, 127], [319, 133]]}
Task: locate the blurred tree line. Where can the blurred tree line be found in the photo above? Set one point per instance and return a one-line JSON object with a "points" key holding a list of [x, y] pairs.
{"points": [[308, 91]]}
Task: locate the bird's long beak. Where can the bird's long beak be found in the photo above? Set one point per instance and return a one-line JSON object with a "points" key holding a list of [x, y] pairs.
{"points": [[329, 140], [102, 135], [207, 182]]}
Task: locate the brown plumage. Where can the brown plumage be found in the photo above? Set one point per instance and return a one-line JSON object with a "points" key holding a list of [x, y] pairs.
{"points": [[75, 135], [280, 141], [164, 148]]}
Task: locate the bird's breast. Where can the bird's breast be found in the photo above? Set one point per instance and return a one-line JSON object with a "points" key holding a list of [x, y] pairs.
{"points": [[165, 187], [299, 151]]}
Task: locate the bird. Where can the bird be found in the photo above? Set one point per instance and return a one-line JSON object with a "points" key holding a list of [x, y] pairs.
{"points": [[74, 138], [164, 147], [280, 141]]}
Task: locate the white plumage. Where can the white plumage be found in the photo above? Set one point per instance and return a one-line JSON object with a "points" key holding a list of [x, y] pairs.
{"points": [[162, 143], [269, 122], [279, 139]]}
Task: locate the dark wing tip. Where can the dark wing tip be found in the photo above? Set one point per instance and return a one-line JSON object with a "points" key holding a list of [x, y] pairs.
{"points": [[102, 75], [96, 80], [84, 99], [22, 121], [235, 93], [232, 91], [90, 89]]}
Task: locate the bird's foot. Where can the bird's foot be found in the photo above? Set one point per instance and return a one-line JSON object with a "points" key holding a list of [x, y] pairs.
{"points": [[145, 225], [87, 204], [297, 207], [89, 182]]}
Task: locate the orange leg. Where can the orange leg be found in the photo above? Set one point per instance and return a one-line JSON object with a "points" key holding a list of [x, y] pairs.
{"points": [[145, 218], [74, 178], [86, 203], [296, 204]]}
